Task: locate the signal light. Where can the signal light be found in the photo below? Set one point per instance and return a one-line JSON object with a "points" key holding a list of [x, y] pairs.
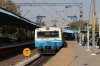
{"points": [[80, 15]]}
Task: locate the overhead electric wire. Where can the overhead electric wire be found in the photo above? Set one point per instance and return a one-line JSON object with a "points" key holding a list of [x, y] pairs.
{"points": [[79, 8], [89, 11], [50, 6], [75, 3], [27, 13], [31, 14], [61, 16], [43, 9], [55, 11]]}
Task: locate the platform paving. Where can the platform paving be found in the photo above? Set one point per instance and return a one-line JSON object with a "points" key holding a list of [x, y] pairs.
{"points": [[82, 57], [63, 58], [75, 55]]}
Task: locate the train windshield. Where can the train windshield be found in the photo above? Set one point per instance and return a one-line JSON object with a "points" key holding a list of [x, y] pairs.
{"points": [[48, 34]]}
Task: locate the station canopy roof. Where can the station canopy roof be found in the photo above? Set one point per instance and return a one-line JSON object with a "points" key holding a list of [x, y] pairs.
{"points": [[76, 31], [85, 31], [9, 18], [70, 31]]}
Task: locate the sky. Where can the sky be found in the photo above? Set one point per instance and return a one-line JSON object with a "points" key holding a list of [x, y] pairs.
{"points": [[35, 10]]}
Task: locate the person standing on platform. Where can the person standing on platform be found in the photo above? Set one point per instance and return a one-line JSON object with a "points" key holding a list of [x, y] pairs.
{"points": [[3, 31], [76, 37], [82, 38], [98, 44]]}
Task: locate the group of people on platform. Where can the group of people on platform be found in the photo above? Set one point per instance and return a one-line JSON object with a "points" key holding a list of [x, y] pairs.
{"points": [[76, 37], [84, 40]]}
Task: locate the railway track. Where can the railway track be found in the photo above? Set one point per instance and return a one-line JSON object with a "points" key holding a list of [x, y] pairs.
{"points": [[40, 61], [12, 50], [14, 58], [9, 55]]}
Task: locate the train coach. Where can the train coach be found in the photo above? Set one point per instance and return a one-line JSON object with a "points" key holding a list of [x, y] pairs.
{"points": [[48, 40]]}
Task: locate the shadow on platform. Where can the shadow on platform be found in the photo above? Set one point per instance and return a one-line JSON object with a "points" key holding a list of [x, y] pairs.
{"points": [[65, 44]]}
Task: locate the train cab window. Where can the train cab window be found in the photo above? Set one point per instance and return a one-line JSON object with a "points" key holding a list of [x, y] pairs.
{"points": [[55, 34], [48, 34]]}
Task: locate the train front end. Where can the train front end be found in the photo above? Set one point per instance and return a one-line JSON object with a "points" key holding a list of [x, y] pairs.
{"points": [[48, 40]]}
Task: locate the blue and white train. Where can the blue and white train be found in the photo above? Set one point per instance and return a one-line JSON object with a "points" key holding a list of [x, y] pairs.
{"points": [[48, 40]]}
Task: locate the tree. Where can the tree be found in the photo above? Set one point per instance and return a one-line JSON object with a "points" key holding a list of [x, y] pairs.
{"points": [[21, 32], [76, 25], [9, 5], [1, 3], [41, 23], [96, 28], [12, 29]]}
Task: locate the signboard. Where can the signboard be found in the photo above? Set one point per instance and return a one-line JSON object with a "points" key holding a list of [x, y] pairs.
{"points": [[26, 52], [93, 23]]}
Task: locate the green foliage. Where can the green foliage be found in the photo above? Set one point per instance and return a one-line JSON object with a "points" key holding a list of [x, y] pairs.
{"points": [[21, 32], [12, 30], [9, 5], [76, 25], [41, 23], [96, 28], [1, 3]]}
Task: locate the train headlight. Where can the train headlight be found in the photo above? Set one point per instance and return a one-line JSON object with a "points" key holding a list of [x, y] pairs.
{"points": [[47, 28]]}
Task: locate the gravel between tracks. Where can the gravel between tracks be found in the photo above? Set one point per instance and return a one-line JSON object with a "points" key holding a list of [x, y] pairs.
{"points": [[18, 58]]}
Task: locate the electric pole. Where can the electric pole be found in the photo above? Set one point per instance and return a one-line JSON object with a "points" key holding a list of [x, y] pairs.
{"points": [[99, 25], [93, 25], [80, 28]]}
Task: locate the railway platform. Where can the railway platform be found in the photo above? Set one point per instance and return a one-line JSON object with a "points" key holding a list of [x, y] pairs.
{"points": [[63, 58], [11, 47], [5, 45], [75, 55]]}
